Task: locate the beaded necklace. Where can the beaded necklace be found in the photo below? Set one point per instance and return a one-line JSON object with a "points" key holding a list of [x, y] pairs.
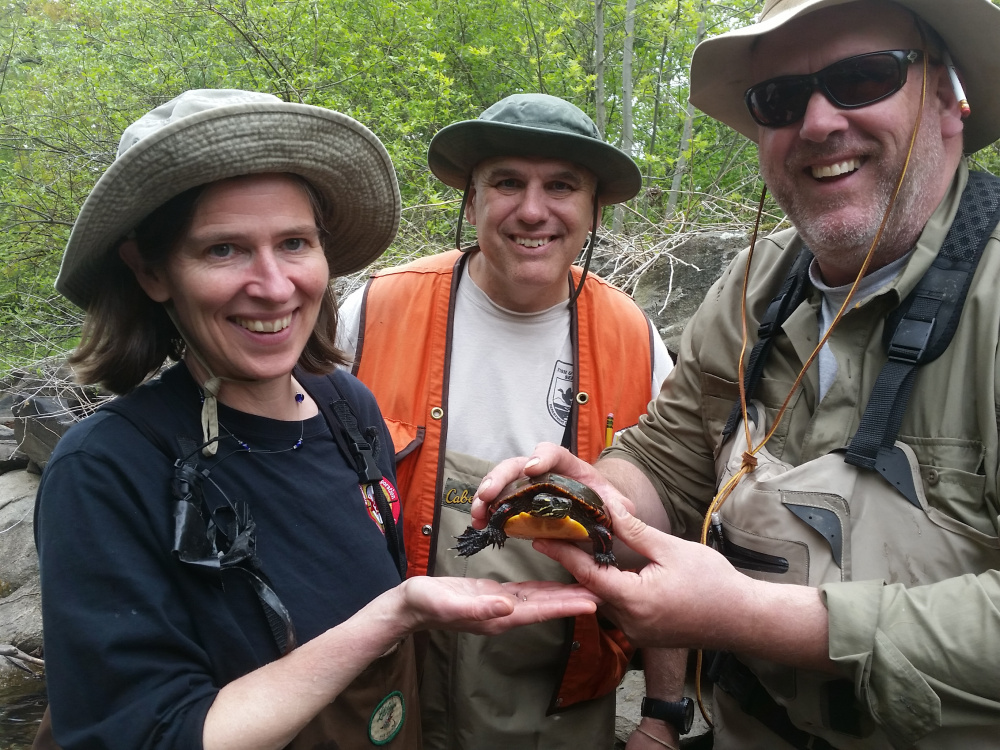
{"points": [[299, 398]]}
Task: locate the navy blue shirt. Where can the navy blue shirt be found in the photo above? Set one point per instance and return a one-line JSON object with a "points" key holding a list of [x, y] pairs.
{"points": [[137, 643]]}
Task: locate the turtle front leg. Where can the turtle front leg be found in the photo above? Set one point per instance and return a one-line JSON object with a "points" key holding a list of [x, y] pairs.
{"points": [[473, 541], [602, 540]]}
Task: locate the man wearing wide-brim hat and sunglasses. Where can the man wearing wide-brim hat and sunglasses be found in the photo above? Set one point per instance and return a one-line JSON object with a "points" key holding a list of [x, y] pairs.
{"points": [[479, 353], [844, 480]]}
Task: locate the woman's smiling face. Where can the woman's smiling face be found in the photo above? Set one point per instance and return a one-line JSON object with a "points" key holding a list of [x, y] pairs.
{"points": [[247, 278]]}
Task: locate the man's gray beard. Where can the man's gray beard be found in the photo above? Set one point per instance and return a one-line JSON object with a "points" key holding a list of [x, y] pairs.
{"points": [[844, 245]]}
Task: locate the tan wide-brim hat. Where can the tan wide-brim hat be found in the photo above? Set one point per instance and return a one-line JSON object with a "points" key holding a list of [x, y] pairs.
{"points": [[205, 135], [721, 69]]}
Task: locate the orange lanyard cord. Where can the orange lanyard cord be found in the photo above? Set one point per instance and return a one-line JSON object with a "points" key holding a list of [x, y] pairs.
{"points": [[749, 462], [850, 295]]}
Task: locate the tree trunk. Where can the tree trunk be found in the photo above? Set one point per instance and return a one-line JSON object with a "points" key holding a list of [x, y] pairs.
{"points": [[656, 102], [619, 220], [600, 108], [682, 160]]}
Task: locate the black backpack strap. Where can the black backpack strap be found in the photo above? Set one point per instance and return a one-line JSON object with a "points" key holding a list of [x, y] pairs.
{"points": [[792, 292], [359, 449], [920, 329], [210, 537]]}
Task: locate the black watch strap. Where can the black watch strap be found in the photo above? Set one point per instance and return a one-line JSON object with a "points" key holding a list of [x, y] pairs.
{"points": [[678, 713]]}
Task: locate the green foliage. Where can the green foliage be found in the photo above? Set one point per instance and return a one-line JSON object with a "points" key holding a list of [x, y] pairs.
{"points": [[75, 73]]}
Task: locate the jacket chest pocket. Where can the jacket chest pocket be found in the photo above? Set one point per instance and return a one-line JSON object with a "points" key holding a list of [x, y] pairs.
{"points": [[718, 396]]}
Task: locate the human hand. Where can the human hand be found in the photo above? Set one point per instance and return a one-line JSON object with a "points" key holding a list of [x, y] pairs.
{"points": [[488, 607], [684, 597], [545, 457]]}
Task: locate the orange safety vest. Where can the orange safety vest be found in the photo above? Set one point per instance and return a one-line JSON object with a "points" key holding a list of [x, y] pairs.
{"points": [[403, 355]]}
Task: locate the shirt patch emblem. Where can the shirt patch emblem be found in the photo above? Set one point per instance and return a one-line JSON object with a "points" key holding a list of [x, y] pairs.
{"points": [[560, 399], [387, 719], [391, 495]]}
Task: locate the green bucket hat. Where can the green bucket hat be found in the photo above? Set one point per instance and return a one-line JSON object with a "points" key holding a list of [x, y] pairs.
{"points": [[533, 125], [721, 69]]}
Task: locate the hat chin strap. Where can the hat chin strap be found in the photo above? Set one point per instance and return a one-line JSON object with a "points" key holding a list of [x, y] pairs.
{"points": [[461, 217], [211, 387], [590, 250], [587, 258]]}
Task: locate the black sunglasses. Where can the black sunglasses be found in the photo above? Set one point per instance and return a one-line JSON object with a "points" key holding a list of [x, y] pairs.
{"points": [[849, 83]]}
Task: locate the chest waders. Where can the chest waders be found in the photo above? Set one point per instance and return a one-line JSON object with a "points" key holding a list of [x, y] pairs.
{"points": [[214, 535], [851, 515], [381, 706]]}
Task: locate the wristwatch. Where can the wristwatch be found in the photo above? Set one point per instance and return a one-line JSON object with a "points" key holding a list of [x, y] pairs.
{"points": [[678, 713]]}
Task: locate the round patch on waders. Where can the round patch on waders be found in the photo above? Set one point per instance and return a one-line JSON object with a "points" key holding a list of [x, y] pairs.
{"points": [[387, 719]]}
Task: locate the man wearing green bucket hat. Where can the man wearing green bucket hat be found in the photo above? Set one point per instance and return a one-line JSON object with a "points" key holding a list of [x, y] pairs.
{"points": [[480, 353], [830, 432]]}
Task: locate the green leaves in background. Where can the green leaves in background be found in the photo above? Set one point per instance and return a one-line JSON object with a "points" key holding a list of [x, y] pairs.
{"points": [[75, 73]]}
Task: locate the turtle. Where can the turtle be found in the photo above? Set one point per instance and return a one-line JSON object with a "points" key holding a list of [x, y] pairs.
{"points": [[549, 506]]}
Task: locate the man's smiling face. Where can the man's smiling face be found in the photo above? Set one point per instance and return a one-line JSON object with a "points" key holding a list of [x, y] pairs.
{"points": [[834, 171], [532, 217]]}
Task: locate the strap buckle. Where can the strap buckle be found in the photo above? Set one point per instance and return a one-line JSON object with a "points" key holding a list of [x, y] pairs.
{"points": [[364, 459], [909, 342]]}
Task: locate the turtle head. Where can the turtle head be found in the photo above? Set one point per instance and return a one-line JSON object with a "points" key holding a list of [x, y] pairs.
{"points": [[550, 506]]}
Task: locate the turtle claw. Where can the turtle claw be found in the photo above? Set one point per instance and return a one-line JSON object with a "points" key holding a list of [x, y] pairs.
{"points": [[601, 537], [605, 559], [473, 541]]}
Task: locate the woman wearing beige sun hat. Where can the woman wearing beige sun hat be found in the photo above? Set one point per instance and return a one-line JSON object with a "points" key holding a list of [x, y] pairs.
{"points": [[220, 566]]}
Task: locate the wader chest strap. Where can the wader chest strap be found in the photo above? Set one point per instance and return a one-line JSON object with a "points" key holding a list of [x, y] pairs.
{"points": [[793, 291], [358, 450], [919, 331]]}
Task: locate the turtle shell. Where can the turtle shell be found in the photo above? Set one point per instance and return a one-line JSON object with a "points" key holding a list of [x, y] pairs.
{"points": [[551, 506]]}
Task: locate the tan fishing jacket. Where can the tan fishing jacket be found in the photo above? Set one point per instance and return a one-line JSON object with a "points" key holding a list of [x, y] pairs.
{"points": [[923, 661]]}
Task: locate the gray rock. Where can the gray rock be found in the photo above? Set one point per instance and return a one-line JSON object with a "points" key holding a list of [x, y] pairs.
{"points": [[10, 394], [20, 600], [39, 422], [674, 285], [11, 457], [41, 403]]}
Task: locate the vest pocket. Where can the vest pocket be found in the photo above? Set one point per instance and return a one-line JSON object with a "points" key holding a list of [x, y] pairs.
{"points": [[765, 558], [717, 398], [406, 437], [718, 395], [748, 559]]}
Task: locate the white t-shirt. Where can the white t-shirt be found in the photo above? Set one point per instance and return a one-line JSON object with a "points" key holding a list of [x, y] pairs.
{"points": [[511, 379]]}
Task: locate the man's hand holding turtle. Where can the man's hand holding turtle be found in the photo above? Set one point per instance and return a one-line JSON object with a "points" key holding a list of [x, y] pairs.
{"points": [[547, 457]]}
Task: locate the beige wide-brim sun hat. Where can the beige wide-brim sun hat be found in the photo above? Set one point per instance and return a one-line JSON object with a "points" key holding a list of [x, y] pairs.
{"points": [[721, 69], [204, 135]]}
